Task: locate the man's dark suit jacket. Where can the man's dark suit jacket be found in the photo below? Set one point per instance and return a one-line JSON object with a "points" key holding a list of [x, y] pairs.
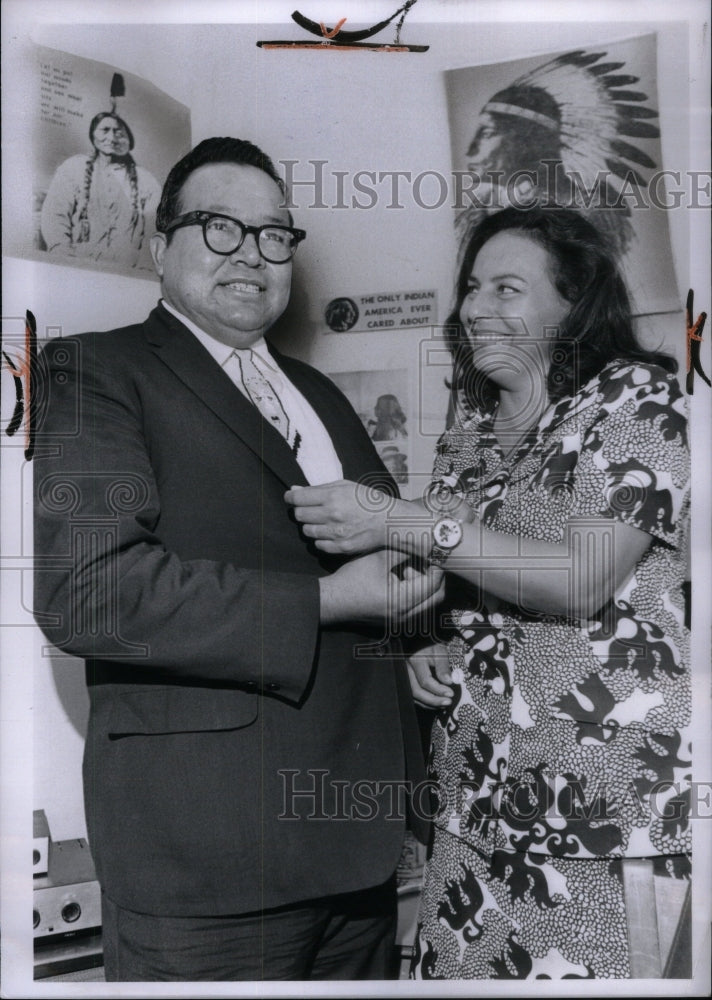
{"points": [[168, 559]]}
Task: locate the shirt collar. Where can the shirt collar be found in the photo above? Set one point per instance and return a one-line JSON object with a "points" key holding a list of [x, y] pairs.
{"points": [[219, 351]]}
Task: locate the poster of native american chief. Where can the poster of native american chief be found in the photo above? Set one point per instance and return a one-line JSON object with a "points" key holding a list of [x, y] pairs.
{"points": [[580, 129], [104, 140]]}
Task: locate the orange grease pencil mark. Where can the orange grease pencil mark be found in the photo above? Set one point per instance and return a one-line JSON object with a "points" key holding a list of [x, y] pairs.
{"points": [[356, 47], [334, 31]]}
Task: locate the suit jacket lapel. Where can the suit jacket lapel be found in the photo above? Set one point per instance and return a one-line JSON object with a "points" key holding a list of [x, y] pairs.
{"points": [[177, 348], [349, 438]]}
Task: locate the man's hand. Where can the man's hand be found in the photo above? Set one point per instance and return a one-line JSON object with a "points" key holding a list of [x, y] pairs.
{"points": [[430, 678], [342, 517], [379, 588]]}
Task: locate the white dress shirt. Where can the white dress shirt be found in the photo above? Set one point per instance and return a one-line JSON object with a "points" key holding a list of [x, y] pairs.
{"points": [[316, 454]]}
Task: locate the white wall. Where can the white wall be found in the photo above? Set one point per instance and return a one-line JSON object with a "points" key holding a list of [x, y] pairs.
{"points": [[358, 111]]}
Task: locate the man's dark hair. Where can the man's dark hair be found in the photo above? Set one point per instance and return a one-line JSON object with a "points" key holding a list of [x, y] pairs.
{"points": [[599, 326], [219, 149]]}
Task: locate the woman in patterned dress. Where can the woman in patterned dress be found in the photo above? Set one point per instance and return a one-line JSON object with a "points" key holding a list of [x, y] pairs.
{"points": [[561, 746]]}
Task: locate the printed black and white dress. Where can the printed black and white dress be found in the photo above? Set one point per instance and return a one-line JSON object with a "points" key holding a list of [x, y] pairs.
{"points": [[566, 749]]}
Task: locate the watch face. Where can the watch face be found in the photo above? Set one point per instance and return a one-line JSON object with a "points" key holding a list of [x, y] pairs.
{"points": [[447, 533]]}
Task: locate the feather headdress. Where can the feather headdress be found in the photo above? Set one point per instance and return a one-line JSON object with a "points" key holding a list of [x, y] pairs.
{"points": [[118, 89], [577, 113], [592, 112]]}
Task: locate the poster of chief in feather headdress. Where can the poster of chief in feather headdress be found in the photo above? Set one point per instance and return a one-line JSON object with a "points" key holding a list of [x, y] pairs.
{"points": [[579, 129], [104, 140]]}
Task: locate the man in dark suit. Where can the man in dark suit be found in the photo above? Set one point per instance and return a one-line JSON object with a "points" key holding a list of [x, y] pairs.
{"points": [[247, 737]]}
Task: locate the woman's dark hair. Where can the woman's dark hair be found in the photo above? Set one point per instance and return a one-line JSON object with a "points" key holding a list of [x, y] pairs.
{"points": [[216, 150], [598, 327], [110, 114]]}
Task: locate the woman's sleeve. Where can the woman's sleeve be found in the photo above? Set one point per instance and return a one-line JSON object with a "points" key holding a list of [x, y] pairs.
{"points": [[634, 461]]}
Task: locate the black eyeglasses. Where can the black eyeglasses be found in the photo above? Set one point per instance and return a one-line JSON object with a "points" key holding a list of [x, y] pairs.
{"points": [[225, 235]]}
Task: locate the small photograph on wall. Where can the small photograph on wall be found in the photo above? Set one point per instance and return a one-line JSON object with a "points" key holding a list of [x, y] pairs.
{"points": [[395, 460], [579, 129], [381, 400], [104, 141]]}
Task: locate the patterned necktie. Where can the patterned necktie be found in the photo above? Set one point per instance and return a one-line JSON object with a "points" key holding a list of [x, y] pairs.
{"points": [[262, 393]]}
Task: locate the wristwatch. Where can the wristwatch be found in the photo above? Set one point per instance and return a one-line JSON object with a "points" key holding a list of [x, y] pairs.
{"points": [[447, 535]]}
